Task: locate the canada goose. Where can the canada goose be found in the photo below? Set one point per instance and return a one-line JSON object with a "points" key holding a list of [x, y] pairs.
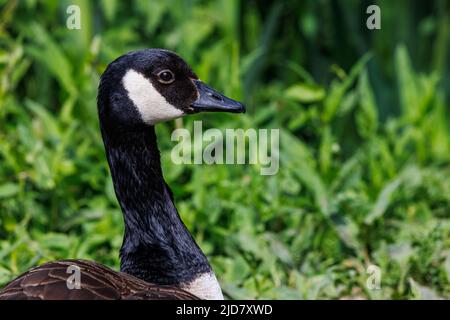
{"points": [[159, 257]]}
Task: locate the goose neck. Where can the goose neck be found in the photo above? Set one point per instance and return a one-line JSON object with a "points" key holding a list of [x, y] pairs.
{"points": [[157, 246]]}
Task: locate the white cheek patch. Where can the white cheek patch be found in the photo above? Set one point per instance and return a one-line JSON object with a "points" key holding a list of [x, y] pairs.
{"points": [[152, 106]]}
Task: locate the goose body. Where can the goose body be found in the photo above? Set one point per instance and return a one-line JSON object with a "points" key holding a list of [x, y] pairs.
{"points": [[159, 257]]}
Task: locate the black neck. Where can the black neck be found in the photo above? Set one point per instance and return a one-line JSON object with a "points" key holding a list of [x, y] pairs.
{"points": [[157, 246]]}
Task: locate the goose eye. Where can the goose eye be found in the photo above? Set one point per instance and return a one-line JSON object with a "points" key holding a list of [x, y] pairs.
{"points": [[166, 76]]}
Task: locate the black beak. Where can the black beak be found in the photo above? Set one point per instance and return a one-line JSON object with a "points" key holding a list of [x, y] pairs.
{"points": [[213, 101]]}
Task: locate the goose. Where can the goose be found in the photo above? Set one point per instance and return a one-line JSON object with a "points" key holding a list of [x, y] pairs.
{"points": [[159, 259]]}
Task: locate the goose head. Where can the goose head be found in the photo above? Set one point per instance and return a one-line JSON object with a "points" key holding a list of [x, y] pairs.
{"points": [[154, 85]]}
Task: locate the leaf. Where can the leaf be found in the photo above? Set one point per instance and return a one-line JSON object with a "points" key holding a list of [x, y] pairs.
{"points": [[406, 83], [235, 292], [279, 249], [9, 190], [49, 122], [367, 114], [305, 93], [325, 151], [348, 172], [299, 156], [109, 8], [447, 264], [347, 230], [383, 201], [421, 292], [338, 89], [400, 252], [314, 183], [299, 70], [51, 55]]}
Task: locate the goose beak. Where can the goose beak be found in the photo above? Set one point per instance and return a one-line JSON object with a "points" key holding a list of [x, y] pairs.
{"points": [[213, 101]]}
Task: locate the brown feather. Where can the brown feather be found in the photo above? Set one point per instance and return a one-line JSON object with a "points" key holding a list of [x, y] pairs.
{"points": [[49, 282]]}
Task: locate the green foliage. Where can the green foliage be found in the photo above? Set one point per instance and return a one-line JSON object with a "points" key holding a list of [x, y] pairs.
{"points": [[365, 150]]}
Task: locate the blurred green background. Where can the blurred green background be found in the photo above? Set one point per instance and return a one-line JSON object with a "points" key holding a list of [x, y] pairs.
{"points": [[364, 131]]}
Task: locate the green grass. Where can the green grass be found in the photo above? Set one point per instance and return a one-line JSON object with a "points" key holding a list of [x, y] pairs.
{"points": [[364, 130]]}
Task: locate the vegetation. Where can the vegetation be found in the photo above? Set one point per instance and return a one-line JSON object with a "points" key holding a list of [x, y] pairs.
{"points": [[364, 141]]}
